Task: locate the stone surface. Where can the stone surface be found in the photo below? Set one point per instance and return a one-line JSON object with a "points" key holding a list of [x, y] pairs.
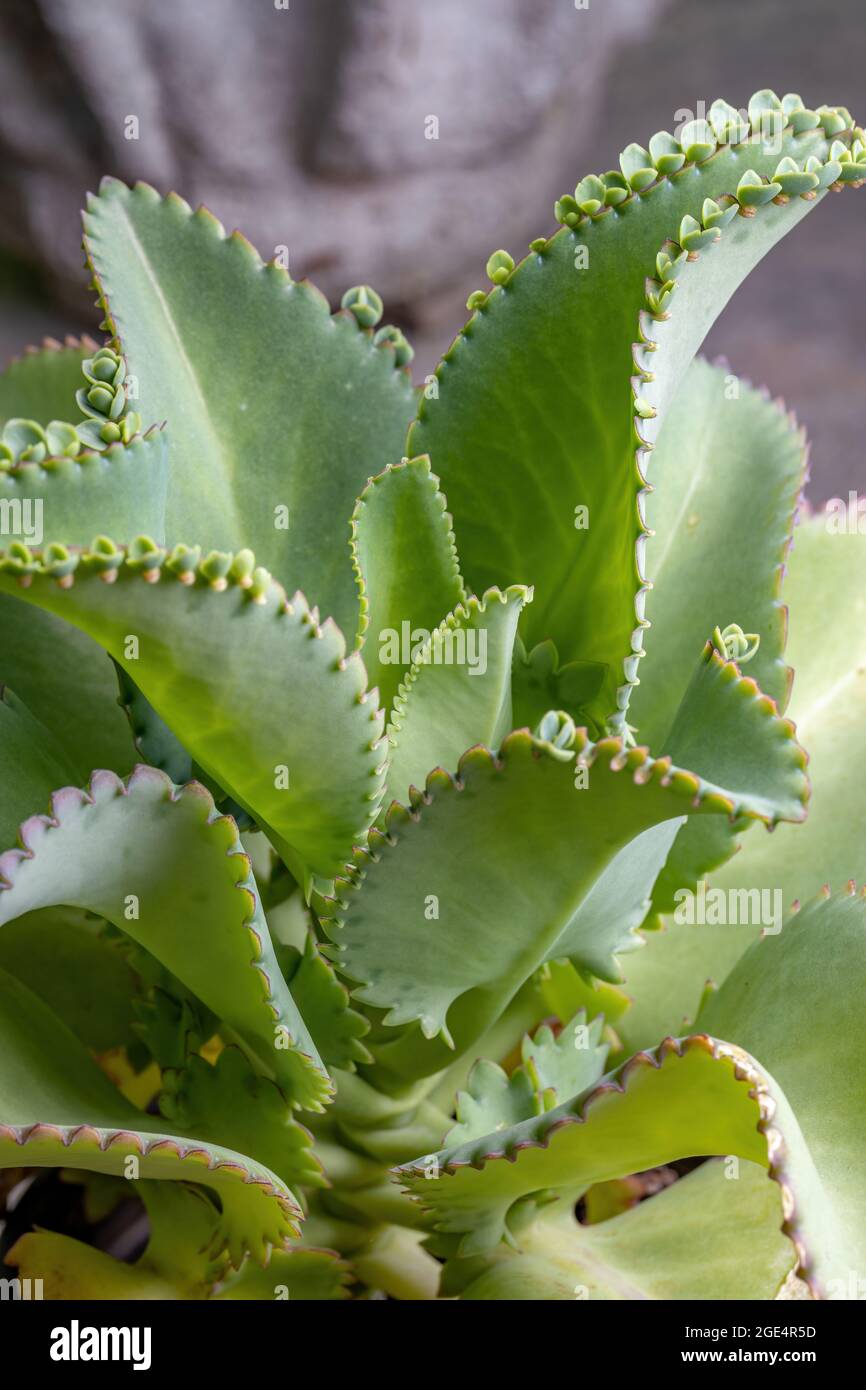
{"points": [[306, 128]]}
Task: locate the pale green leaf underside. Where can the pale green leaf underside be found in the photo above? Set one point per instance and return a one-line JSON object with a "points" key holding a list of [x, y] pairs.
{"points": [[532, 419], [816, 1055], [726, 479], [713, 559], [685, 1099], [407, 569], [458, 692], [272, 402], [57, 1109], [165, 868], [828, 656], [826, 592], [658, 1250], [774, 1093]]}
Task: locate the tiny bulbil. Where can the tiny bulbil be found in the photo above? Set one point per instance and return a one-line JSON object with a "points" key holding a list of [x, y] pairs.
{"points": [[366, 749]]}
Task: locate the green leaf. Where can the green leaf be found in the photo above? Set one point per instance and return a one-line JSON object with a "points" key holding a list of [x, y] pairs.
{"points": [[539, 683], [823, 946], [824, 569], [564, 991], [707, 1093], [71, 1116], [552, 1069], [158, 746], [48, 949], [299, 752], [154, 742], [164, 867], [182, 1223], [433, 881], [336, 1028], [67, 683], [657, 1250], [712, 556], [272, 402], [33, 764], [532, 421], [171, 1023], [120, 491], [406, 563], [229, 1104], [71, 1270], [826, 592], [728, 732], [304, 1276], [458, 690], [41, 384], [176, 1263], [707, 556]]}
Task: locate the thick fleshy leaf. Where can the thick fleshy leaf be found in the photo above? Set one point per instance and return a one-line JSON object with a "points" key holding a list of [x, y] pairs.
{"points": [[279, 412], [305, 1276], [826, 592], [57, 1109], [825, 570], [532, 423], [264, 698], [230, 1104], [154, 742], [823, 947], [68, 683], [712, 557], [457, 692], [176, 1263], [41, 384], [48, 950], [552, 1069], [725, 729], [68, 501], [164, 867], [658, 1250], [407, 569], [69, 1270], [708, 1094], [32, 761], [157, 745], [433, 881], [335, 1027], [712, 561]]}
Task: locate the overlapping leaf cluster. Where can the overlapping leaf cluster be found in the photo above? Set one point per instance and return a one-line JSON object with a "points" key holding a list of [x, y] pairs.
{"points": [[337, 904]]}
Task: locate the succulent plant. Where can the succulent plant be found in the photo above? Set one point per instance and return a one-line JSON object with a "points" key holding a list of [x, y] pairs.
{"points": [[320, 937]]}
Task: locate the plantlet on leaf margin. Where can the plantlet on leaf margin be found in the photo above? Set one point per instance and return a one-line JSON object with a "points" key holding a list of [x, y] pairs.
{"points": [[285, 1027]]}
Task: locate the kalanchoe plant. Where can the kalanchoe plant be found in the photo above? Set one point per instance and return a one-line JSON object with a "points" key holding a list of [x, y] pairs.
{"points": [[321, 940]]}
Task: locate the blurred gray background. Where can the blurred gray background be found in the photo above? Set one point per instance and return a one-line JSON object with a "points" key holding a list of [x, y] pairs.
{"points": [[303, 123]]}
